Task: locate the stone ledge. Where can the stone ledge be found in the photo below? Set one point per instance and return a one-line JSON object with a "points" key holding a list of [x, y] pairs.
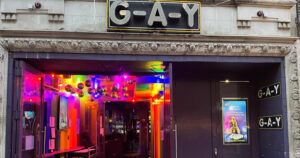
{"points": [[273, 3], [145, 36], [144, 47]]}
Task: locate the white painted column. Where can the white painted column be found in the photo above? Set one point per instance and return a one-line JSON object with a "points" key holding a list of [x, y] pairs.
{"points": [[3, 97], [293, 106]]}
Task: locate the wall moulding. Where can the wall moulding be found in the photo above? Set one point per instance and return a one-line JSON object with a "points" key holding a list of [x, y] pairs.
{"points": [[10, 9], [8, 16], [249, 14], [292, 82], [270, 3], [3, 98], [144, 36], [144, 47]]}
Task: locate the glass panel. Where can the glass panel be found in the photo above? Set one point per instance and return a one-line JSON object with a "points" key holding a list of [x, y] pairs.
{"points": [[235, 124], [51, 99], [160, 114], [167, 128], [30, 114]]}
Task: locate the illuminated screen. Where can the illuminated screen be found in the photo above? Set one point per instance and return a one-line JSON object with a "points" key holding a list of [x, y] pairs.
{"points": [[235, 121], [29, 114], [28, 119], [63, 112]]}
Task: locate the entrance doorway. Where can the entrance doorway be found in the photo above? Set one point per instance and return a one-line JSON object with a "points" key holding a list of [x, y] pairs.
{"points": [[216, 110], [86, 105], [103, 115], [128, 129]]}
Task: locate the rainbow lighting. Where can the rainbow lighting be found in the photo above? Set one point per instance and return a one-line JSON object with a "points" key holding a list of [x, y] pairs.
{"points": [[90, 92]]}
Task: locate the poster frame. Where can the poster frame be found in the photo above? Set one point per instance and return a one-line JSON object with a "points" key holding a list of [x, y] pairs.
{"points": [[61, 107], [247, 120]]}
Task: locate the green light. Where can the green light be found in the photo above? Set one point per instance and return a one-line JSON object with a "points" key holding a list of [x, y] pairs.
{"points": [[143, 87]]}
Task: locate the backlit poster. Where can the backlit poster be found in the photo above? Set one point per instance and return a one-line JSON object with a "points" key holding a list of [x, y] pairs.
{"points": [[235, 122], [63, 112], [28, 120]]}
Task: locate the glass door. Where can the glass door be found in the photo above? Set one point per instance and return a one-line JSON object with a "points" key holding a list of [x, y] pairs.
{"points": [[28, 110], [167, 130]]}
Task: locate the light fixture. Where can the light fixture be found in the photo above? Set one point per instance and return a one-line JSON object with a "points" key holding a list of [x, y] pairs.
{"points": [[234, 81], [37, 5], [227, 81], [260, 13]]}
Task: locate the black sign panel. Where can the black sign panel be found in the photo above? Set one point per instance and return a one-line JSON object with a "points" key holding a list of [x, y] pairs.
{"points": [[269, 91], [148, 16], [270, 122]]}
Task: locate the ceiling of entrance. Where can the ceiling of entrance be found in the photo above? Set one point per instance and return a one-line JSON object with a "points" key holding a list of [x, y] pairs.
{"points": [[97, 67]]}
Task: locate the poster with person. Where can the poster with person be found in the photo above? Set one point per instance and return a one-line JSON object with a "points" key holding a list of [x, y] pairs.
{"points": [[235, 121], [63, 112], [28, 120]]}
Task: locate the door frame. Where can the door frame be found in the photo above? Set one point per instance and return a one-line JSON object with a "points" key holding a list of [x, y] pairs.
{"points": [[18, 79], [15, 56]]}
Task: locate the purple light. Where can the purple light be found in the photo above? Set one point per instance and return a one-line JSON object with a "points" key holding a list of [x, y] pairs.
{"points": [[68, 94], [125, 76], [95, 84], [96, 95]]}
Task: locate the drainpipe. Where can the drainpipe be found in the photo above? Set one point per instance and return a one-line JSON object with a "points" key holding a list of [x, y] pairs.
{"points": [[297, 20]]}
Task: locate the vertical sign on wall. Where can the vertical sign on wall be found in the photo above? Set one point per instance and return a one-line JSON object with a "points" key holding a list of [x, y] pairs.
{"points": [[235, 121]]}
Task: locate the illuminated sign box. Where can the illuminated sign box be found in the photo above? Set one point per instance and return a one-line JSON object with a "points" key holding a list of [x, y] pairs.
{"points": [[148, 16]]}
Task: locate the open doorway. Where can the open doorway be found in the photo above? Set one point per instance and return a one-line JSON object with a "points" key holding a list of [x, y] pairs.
{"points": [[93, 115], [128, 129], [66, 108]]}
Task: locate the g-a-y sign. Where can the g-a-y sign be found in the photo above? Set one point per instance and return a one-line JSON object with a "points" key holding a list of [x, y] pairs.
{"points": [[270, 122], [148, 16], [269, 91]]}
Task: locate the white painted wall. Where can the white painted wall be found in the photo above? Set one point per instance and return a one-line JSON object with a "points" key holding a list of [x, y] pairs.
{"points": [[80, 16], [3, 98]]}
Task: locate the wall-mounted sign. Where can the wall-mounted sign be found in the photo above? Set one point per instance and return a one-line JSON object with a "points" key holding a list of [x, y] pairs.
{"points": [[152, 16], [269, 91], [270, 122], [235, 121]]}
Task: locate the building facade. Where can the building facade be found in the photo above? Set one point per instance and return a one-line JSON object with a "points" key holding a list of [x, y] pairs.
{"points": [[245, 51]]}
